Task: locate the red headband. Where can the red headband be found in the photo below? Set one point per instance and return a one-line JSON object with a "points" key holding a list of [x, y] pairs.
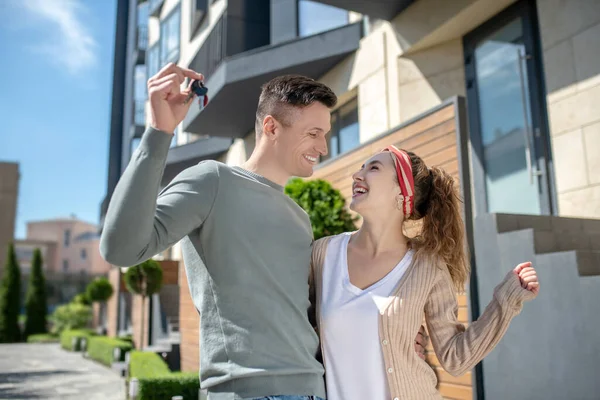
{"points": [[405, 177]]}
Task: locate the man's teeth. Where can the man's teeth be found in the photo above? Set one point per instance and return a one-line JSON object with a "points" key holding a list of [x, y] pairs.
{"points": [[360, 190], [312, 159]]}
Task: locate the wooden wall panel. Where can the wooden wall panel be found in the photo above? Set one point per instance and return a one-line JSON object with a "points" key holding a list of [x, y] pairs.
{"points": [[189, 325]]}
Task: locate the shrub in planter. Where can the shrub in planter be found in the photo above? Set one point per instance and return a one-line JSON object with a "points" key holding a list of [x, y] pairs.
{"points": [[186, 384], [102, 349], [145, 364], [43, 338], [71, 339]]}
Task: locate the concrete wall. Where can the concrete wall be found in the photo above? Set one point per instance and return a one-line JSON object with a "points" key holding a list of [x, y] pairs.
{"points": [[570, 32], [9, 189], [538, 358]]}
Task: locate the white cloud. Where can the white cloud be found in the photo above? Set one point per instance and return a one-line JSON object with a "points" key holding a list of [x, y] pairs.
{"points": [[67, 41]]}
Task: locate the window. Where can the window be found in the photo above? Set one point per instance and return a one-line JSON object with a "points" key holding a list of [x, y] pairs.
{"points": [[169, 37], [198, 12], [67, 237], [65, 265], [83, 254], [345, 134], [315, 17], [142, 22], [140, 89], [153, 60]]}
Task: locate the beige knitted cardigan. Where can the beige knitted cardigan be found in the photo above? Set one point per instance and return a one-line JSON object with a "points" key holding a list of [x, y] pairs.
{"points": [[426, 289]]}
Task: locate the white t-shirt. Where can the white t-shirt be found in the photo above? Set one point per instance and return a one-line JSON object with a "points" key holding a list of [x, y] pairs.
{"points": [[350, 328]]}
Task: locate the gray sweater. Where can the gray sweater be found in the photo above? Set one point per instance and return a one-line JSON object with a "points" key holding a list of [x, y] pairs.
{"points": [[246, 248]]}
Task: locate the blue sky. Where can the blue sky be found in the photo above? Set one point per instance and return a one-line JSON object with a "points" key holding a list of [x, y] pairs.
{"points": [[56, 83]]}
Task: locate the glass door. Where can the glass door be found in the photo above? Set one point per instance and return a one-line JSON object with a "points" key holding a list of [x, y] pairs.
{"points": [[507, 119]]}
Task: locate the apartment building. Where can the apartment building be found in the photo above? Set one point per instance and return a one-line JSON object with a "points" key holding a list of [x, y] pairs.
{"points": [[500, 93], [72, 244]]}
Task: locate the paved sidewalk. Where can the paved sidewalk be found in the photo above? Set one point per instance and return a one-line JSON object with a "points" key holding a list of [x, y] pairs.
{"points": [[45, 371]]}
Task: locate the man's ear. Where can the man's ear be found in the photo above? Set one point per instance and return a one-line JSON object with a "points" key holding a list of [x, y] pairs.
{"points": [[270, 127]]}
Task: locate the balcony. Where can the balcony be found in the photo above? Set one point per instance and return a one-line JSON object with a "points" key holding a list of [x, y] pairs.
{"points": [[380, 9], [139, 119], [234, 81], [141, 44], [188, 155]]}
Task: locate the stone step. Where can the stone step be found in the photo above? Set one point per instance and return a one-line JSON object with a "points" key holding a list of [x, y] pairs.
{"points": [[514, 222], [552, 241], [588, 263]]}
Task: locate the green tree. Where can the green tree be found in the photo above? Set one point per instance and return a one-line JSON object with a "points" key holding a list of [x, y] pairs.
{"points": [[144, 279], [324, 204], [99, 290], [10, 299], [36, 307]]}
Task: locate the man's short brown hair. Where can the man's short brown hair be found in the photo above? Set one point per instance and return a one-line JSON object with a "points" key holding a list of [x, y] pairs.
{"points": [[282, 94]]}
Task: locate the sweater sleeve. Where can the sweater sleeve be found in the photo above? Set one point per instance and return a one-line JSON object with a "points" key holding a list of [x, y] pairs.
{"points": [[140, 221], [459, 349]]}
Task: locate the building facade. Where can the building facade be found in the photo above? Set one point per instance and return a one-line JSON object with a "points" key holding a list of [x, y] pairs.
{"points": [[73, 246], [9, 194], [501, 93]]}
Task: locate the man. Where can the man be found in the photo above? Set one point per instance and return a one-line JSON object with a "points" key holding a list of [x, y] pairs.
{"points": [[246, 245]]}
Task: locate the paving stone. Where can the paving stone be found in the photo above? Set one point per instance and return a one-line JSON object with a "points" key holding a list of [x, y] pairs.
{"points": [[45, 371]]}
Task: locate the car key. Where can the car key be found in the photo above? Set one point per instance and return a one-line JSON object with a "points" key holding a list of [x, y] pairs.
{"points": [[199, 90]]}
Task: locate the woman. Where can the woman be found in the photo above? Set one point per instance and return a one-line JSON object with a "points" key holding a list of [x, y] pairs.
{"points": [[374, 286]]}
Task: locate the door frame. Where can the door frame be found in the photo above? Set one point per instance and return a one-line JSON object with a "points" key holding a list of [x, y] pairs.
{"points": [[527, 10]]}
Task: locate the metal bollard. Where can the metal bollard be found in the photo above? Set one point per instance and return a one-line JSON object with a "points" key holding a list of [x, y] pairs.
{"points": [[83, 344], [116, 354], [133, 388]]}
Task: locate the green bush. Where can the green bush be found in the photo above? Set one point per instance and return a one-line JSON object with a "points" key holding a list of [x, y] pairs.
{"points": [[70, 316], [324, 205], [186, 384], [101, 349], [81, 298], [67, 336], [36, 303], [43, 338], [10, 299], [145, 364]]}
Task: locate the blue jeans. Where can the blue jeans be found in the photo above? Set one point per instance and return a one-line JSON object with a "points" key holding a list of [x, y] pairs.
{"points": [[290, 398]]}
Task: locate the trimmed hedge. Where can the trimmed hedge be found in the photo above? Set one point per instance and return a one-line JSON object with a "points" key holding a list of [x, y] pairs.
{"points": [[101, 348], [66, 338], [145, 364], [184, 384], [43, 338]]}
